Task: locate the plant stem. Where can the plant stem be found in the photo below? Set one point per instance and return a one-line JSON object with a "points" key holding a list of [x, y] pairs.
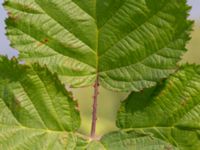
{"points": [[94, 108]]}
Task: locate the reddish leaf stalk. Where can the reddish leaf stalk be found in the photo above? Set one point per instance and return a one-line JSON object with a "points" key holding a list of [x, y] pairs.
{"points": [[94, 108]]}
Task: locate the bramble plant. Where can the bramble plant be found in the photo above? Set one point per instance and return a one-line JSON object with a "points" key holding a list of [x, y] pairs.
{"points": [[122, 45]]}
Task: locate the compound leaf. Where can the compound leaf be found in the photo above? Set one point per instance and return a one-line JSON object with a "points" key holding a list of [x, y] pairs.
{"points": [[129, 44]]}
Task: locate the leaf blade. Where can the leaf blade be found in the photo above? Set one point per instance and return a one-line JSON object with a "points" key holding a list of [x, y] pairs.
{"points": [[168, 112], [36, 110], [128, 55]]}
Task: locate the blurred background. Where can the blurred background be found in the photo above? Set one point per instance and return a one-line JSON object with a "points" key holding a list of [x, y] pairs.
{"points": [[109, 102]]}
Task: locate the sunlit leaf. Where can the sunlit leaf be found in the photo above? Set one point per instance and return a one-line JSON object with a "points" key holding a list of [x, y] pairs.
{"points": [[129, 44], [169, 113], [36, 112]]}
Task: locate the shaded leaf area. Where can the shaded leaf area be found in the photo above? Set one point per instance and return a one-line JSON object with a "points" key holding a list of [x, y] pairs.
{"points": [[130, 44], [168, 116], [131, 140], [36, 111]]}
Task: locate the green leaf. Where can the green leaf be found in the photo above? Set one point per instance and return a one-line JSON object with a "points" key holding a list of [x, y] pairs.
{"points": [[36, 111], [132, 140], [129, 44], [95, 145], [169, 112]]}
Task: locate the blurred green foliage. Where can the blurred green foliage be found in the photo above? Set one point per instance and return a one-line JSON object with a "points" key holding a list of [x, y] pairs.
{"points": [[193, 54], [109, 101]]}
